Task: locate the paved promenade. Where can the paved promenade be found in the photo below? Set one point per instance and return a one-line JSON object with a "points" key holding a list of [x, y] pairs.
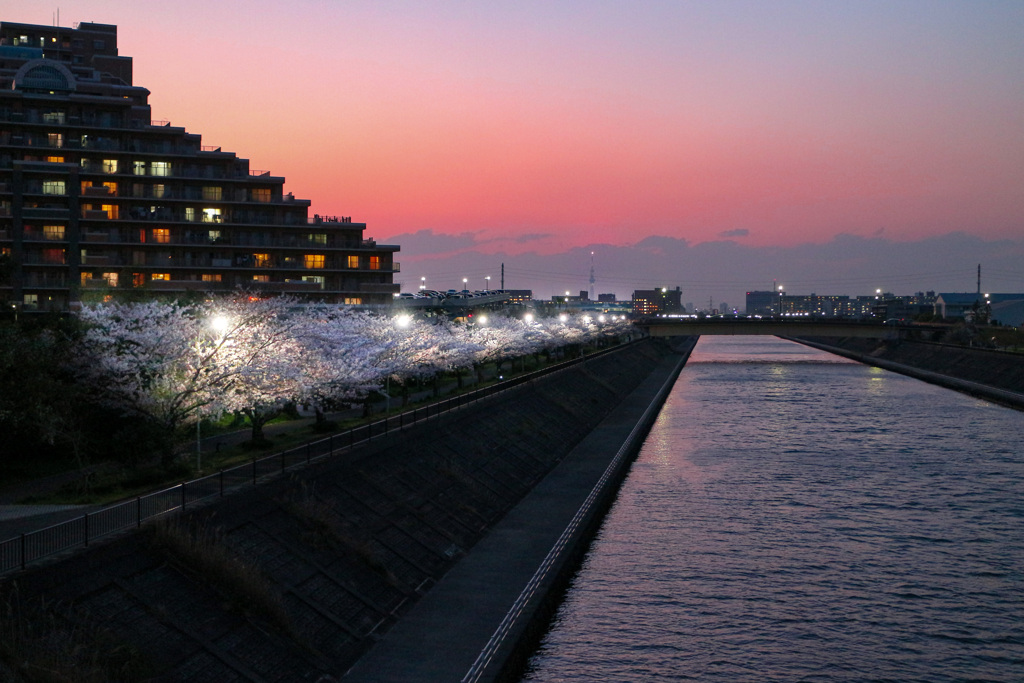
{"points": [[443, 634]]}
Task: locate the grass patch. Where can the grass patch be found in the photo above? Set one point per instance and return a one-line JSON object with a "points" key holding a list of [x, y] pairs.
{"points": [[46, 644], [202, 553]]}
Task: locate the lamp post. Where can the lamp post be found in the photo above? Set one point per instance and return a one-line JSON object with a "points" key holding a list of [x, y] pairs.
{"points": [[487, 283], [423, 283], [218, 324], [781, 288], [465, 285]]}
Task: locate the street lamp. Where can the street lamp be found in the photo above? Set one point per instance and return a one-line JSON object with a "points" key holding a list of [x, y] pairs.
{"points": [[220, 325], [487, 283], [423, 282], [465, 285]]}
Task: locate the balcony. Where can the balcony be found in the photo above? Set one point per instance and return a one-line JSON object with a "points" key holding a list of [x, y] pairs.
{"points": [[44, 212], [94, 215]]}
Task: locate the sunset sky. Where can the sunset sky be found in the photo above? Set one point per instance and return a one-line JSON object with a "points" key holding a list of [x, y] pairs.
{"points": [[531, 133]]}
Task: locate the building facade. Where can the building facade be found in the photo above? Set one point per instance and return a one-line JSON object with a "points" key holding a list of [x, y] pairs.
{"points": [[662, 301], [97, 200]]}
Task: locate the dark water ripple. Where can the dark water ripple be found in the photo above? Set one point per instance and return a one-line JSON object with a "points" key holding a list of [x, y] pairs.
{"points": [[795, 519]]}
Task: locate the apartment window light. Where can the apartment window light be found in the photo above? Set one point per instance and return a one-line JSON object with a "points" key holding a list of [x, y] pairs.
{"points": [[55, 160], [159, 190], [212, 277], [190, 214], [109, 166], [138, 167], [261, 194], [53, 232], [112, 211], [313, 260], [211, 215], [353, 261], [111, 279], [54, 256], [160, 168], [261, 278], [160, 276], [54, 187], [162, 235], [318, 238], [211, 193], [261, 260], [55, 139], [375, 263]]}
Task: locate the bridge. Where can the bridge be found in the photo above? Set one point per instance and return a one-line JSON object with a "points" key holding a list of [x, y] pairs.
{"points": [[784, 327]]}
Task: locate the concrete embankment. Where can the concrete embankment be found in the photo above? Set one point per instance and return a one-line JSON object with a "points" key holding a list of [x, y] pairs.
{"points": [[993, 375], [298, 578]]}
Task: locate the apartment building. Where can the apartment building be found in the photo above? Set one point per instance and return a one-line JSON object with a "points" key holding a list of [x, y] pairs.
{"points": [[97, 200]]}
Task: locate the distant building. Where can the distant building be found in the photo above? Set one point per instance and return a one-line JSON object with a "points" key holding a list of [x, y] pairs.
{"points": [[97, 200], [1001, 307], [662, 301], [762, 303], [519, 296], [606, 298]]}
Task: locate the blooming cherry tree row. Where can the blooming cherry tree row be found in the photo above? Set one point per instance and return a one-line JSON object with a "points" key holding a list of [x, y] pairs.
{"points": [[174, 363]]}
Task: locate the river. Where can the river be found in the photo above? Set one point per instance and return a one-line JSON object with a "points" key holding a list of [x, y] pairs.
{"points": [[793, 516]]}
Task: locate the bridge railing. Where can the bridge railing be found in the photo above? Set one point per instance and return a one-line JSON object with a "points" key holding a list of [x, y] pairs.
{"points": [[18, 552]]}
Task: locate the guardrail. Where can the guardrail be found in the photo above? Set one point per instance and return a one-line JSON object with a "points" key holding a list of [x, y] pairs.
{"points": [[18, 552]]}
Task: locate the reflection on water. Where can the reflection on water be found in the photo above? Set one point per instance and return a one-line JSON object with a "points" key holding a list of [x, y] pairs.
{"points": [[795, 516]]}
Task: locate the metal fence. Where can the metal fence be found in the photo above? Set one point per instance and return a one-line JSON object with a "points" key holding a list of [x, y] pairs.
{"points": [[18, 552]]}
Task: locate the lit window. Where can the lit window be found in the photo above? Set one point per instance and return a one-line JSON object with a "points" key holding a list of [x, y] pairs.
{"points": [[353, 300], [55, 160], [139, 167], [112, 211], [261, 260], [261, 278], [53, 256], [212, 193], [53, 232], [160, 168], [109, 166], [211, 215], [53, 117], [111, 279], [318, 238], [31, 301], [54, 187], [159, 191], [86, 278], [313, 260], [375, 263], [261, 195], [315, 279], [111, 188], [353, 261], [138, 279], [212, 277], [161, 235], [213, 235], [55, 139], [160, 276], [190, 214]]}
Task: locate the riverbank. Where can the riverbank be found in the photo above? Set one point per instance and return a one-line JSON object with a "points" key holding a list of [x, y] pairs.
{"points": [[993, 375], [296, 579]]}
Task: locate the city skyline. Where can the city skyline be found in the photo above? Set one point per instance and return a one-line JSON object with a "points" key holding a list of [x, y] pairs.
{"points": [[802, 142]]}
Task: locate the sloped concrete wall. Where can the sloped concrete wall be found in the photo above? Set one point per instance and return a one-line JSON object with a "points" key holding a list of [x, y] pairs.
{"points": [[295, 579]]}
